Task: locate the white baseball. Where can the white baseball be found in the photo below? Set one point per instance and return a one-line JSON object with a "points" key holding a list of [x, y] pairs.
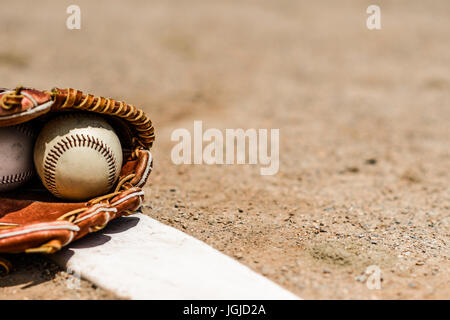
{"points": [[16, 156], [78, 156]]}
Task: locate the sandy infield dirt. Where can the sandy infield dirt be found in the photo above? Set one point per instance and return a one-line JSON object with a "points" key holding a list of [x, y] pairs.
{"points": [[364, 120]]}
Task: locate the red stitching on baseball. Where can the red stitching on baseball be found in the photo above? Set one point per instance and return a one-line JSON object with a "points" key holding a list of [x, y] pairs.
{"points": [[19, 177], [27, 130]]}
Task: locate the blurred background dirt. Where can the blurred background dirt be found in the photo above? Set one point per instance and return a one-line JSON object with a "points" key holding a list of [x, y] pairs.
{"points": [[364, 120]]}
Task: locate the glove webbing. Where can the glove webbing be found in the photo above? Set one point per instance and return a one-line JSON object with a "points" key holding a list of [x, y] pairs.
{"points": [[75, 99]]}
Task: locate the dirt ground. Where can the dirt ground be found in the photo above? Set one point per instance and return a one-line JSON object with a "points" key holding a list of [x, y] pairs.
{"points": [[364, 120]]}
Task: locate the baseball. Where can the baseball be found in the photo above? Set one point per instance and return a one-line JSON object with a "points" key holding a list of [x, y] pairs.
{"points": [[78, 156], [16, 156]]}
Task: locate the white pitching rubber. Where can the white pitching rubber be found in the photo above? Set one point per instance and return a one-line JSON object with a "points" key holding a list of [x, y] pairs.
{"points": [[137, 257]]}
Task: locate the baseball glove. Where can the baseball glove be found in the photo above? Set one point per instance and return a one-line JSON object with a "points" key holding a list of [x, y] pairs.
{"points": [[31, 219]]}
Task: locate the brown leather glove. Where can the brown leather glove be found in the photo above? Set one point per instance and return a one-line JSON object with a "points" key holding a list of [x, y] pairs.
{"points": [[31, 219]]}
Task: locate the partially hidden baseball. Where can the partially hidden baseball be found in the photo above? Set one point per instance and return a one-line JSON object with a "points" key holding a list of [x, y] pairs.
{"points": [[16, 156], [78, 156]]}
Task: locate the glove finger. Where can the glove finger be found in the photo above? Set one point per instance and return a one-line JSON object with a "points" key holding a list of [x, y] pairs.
{"points": [[98, 215], [15, 240], [140, 168], [29, 212], [22, 104]]}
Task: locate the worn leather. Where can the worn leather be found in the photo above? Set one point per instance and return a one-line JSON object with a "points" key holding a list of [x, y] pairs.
{"points": [[33, 104], [31, 219]]}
